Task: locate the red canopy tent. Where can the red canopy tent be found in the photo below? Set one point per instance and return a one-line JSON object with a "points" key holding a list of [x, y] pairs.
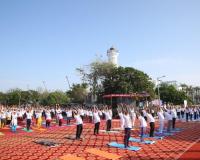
{"points": [[132, 95]]}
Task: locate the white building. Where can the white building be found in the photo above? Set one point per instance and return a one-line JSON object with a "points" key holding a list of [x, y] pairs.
{"points": [[112, 54]]}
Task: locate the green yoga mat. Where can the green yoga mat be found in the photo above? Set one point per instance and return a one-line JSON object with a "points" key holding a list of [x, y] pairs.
{"points": [[25, 129]]}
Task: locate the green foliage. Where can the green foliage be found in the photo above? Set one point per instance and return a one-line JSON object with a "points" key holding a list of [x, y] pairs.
{"points": [[105, 78], [127, 80], [17, 97], [78, 93], [169, 94], [95, 73]]}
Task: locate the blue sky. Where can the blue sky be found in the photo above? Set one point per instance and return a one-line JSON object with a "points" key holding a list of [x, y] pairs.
{"points": [[46, 40]]}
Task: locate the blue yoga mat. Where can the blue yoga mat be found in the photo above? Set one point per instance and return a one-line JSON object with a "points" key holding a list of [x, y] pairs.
{"points": [[121, 146], [164, 134], [139, 141], [155, 137]]}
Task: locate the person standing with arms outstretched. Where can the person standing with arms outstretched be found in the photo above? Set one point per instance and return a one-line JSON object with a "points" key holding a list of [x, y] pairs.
{"points": [[96, 120], [127, 128], [151, 121], [161, 120], [28, 119], [79, 124]]}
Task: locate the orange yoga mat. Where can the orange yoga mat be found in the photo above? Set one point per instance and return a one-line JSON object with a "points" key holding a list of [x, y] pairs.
{"points": [[39, 129], [70, 157], [103, 154]]}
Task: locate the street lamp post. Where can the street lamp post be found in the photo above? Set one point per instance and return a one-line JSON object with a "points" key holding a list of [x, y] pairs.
{"points": [[158, 80], [19, 103], [44, 83], [68, 81]]}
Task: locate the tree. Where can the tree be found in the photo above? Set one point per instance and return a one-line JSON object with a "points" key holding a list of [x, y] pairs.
{"points": [[169, 94], [57, 97], [127, 80], [78, 93], [2, 98], [105, 78], [95, 73], [13, 97]]}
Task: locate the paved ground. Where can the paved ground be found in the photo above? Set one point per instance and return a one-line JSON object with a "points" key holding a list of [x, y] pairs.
{"points": [[22, 146]]}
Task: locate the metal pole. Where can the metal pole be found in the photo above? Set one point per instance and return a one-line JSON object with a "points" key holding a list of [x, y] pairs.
{"points": [[68, 82], [45, 87], [19, 98], [159, 94], [158, 80]]}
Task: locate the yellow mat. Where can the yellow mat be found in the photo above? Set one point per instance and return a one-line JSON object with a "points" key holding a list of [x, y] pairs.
{"points": [[1, 134], [39, 129], [103, 154], [70, 157]]}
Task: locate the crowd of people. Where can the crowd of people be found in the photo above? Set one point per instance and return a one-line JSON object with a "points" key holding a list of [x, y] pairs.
{"points": [[166, 116]]}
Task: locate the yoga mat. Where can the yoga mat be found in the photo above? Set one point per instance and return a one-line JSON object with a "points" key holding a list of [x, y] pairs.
{"points": [[155, 137], [40, 129], [104, 131], [139, 141], [103, 154], [121, 146], [19, 127], [69, 125], [24, 129], [117, 129], [1, 134], [73, 138], [70, 157], [164, 134]]}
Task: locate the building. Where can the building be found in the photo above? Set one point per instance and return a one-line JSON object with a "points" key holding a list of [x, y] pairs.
{"points": [[112, 54]]}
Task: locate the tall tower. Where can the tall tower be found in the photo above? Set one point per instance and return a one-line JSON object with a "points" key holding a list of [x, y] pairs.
{"points": [[112, 54]]}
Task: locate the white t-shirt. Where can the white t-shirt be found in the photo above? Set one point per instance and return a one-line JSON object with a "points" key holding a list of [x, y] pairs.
{"points": [[108, 116], [127, 121], [161, 116], [81, 112], [143, 122], [144, 113], [48, 116], [78, 119], [14, 120], [38, 115], [28, 115], [150, 118], [168, 116], [174, 114], [60, 116], [69, 113], [96, 117]]}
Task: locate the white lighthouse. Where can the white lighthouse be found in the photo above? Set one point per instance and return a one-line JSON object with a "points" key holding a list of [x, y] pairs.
{"points": [[112, 54]]}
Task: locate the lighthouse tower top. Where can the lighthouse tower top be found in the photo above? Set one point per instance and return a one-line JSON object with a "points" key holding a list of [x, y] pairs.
{"points": [[112, 54]]}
